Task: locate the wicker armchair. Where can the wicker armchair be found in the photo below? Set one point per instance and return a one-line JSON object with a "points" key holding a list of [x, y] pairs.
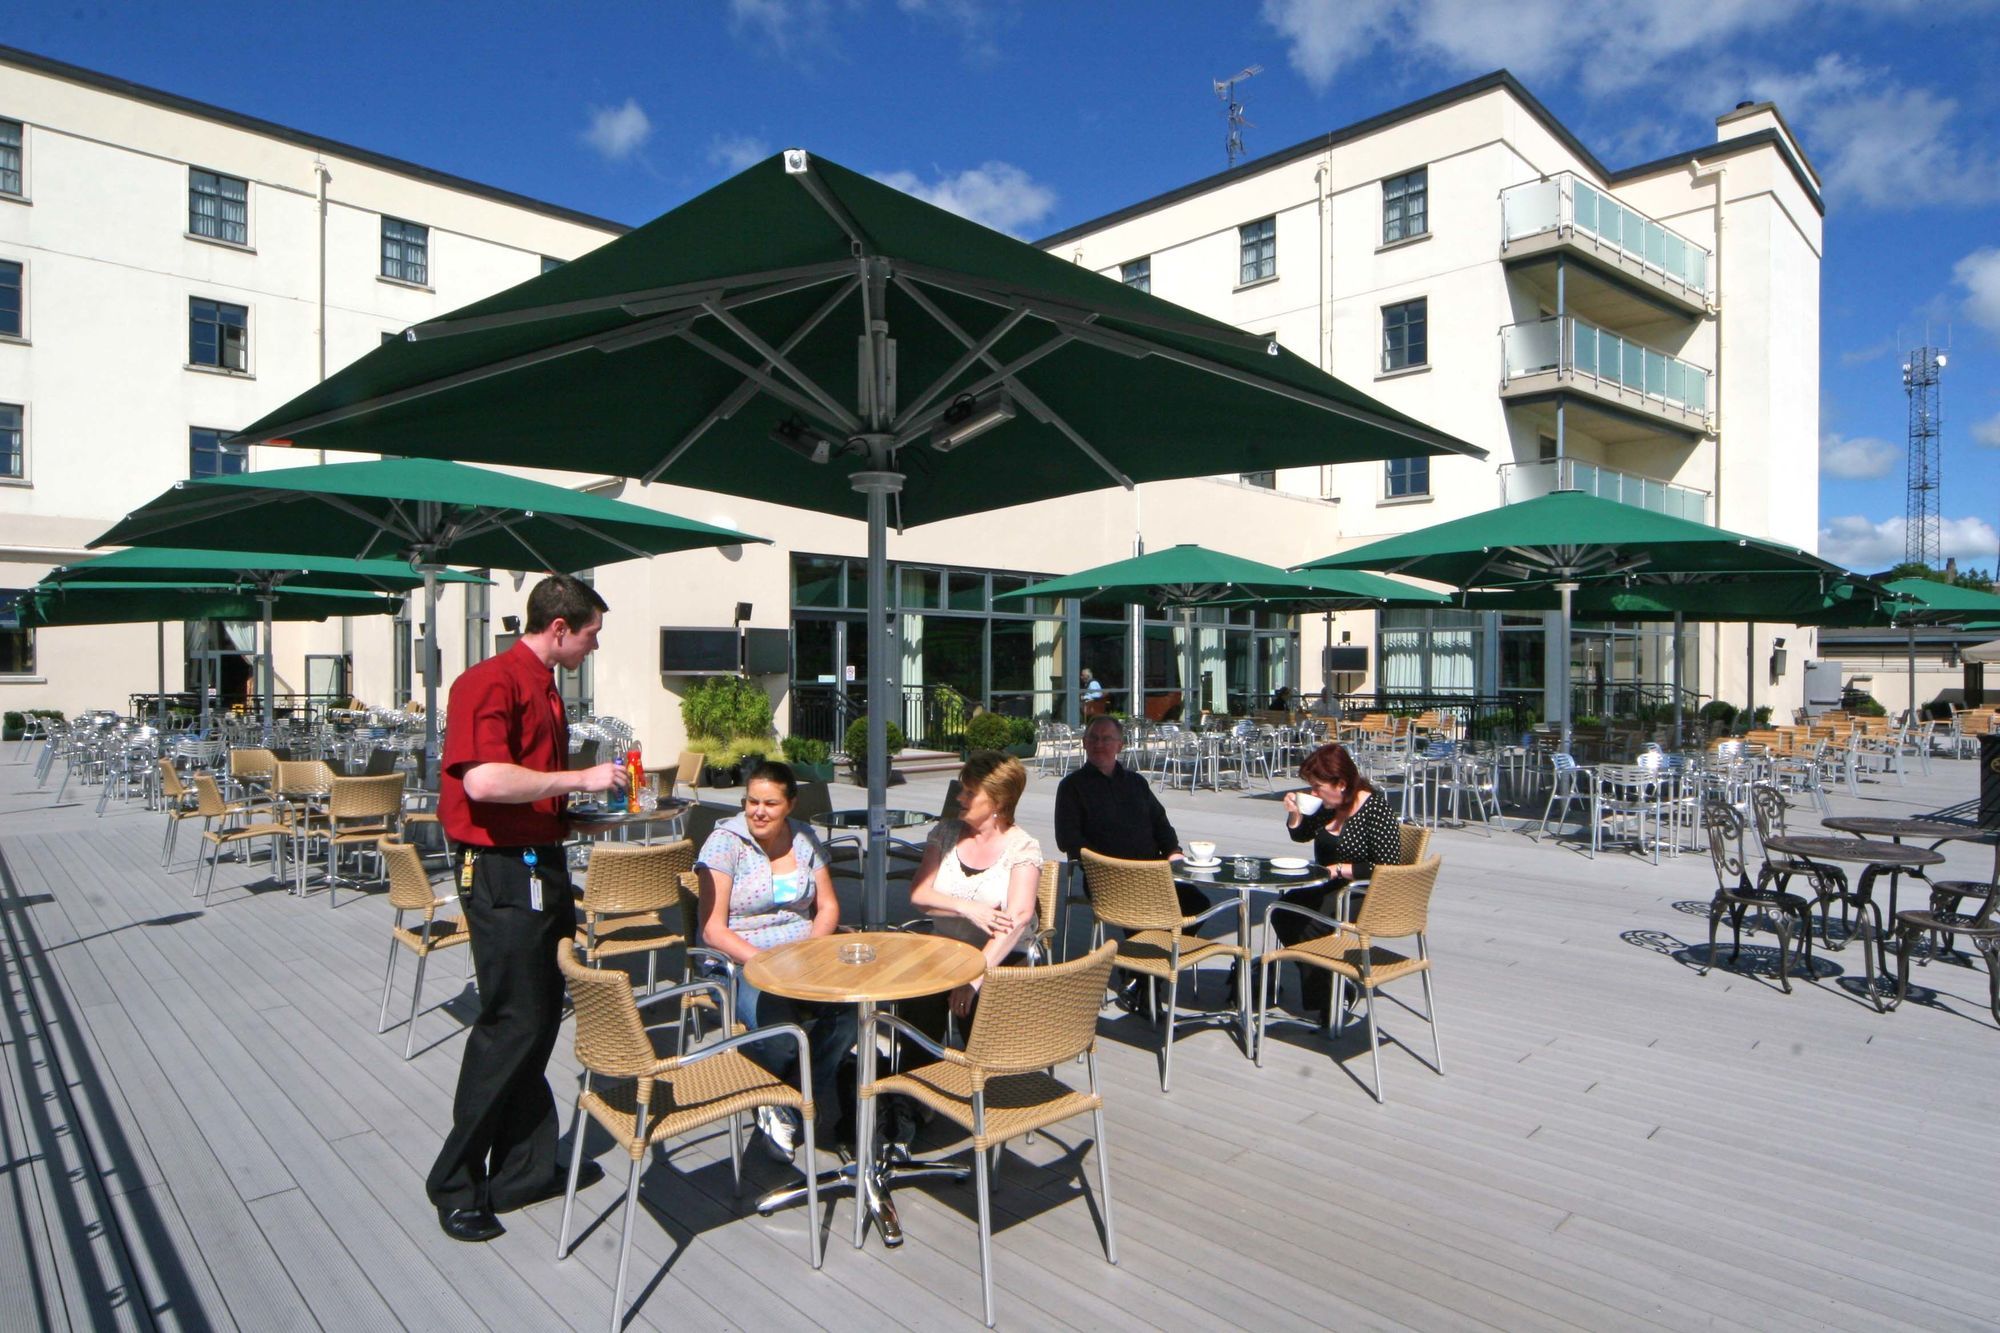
{"points": [[1029, 1020], [302, 789], [360, 812], [1397, 906], [184, 802], [209, 804], [1041, 946], [411, 890], [1138, 897], [1736, 896], [633, 903], [642, 1098], [252, 773]]}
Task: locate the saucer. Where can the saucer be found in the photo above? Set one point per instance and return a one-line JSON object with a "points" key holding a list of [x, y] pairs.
{"points": [[1210, 864], [1289, 863]]}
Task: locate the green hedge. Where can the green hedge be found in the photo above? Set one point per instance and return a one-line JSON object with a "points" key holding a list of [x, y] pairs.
{"points": [[15, 723]]}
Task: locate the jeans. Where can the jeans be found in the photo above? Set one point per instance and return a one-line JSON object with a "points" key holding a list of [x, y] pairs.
{"points": [[829, 1037]]}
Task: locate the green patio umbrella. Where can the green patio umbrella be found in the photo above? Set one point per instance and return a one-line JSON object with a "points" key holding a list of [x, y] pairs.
{"points": [[1185, 577], [1921, 601], [423, 511], [1567, 539], [99, 602], [261, 573], [805, 335]]}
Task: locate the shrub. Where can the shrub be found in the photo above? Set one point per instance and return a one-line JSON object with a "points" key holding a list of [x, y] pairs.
{"points": [[1869, 706], [1762, 717], [856, 741], [1022, 729], [1719, 711], [990, 731], [726, 708], [806, 750], [15, 723]]}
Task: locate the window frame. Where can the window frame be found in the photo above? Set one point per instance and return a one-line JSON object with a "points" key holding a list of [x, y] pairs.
{"points": [[20, 333], [219, 177], [1407, 365], [33, 672], [1244, 240], [21, 156], [219, 366], [218, 450], [403, 239], [1140, 269], [1422, 194], [20, 449], [1415, 469]]}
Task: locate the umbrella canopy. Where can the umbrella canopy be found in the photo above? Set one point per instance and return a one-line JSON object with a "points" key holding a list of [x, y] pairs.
{"points": [[805, 335], [426, 511], [1771, 599], [247, 570], [1929, 602], [1983, 652]]}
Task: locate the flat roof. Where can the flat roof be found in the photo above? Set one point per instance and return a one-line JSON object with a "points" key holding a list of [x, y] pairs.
{"points": [[317, 142]]}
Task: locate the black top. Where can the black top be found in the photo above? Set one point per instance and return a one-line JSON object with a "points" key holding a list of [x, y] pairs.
{"points": [[1112, 816], [1372, 836]]}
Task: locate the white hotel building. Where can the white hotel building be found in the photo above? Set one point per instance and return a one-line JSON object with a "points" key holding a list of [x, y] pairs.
{"points": [[170, 271]]}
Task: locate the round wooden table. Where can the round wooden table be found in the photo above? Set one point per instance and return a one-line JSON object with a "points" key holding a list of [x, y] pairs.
{"points": [[904, 966]]}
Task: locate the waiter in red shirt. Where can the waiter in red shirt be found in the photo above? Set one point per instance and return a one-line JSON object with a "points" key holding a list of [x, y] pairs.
{"points": [[501, 800]]}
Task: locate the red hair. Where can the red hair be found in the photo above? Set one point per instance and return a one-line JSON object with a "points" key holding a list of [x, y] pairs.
{"points": [[1332, 764]]}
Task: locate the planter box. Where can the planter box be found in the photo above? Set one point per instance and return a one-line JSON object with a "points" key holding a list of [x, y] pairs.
{"points": [[1022, 750], [814, 772]]}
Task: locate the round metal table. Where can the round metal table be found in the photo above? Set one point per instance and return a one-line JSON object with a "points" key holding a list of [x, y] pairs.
{"points": [[1266, 878], [903, 967], [1874, 858]]}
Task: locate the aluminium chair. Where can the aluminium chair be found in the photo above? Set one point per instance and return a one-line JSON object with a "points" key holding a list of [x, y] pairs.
{"points": [[411, 890], [642, 1098], [1160, 945], [1397, 907], [1029, 1020]]}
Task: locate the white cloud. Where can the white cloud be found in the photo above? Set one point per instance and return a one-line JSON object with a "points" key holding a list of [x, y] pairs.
{"points": [[974, 20], [1857, 458], [737, 152], [1878, 141], [786, 27], [1867, 545], [618, 131], [1979, 274], [997, 194], [1987, 432]]}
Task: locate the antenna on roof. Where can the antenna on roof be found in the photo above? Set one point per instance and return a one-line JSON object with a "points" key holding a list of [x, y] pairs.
{"points": [[1225, 89]]}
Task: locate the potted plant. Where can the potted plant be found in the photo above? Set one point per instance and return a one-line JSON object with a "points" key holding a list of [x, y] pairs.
{"points": [[811, 759], [989, 731], [855, 743], [728, 720], [1022, 746]]}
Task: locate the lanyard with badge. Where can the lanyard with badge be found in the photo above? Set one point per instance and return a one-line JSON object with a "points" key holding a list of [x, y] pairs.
{"points": [[528, 859]]}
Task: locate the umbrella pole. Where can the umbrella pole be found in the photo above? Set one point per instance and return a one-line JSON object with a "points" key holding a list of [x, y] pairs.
{"points": [[1679, 624], [1912, 630], [1191, 701], [160, 652], [430, 674], [1563, 694], [877, 487], [270, 676]]}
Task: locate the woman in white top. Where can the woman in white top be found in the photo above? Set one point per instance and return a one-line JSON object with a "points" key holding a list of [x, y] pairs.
{"points": [[980, 872]]}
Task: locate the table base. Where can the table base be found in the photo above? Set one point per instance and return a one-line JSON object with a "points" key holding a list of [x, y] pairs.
{"points": [[881, 1204]]}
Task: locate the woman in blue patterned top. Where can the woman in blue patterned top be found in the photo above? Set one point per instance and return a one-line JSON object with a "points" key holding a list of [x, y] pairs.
{"points": [[765, 882]]}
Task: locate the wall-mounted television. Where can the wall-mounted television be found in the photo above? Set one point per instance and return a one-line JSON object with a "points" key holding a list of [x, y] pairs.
{"points": [[1342, 658], [767, 652], [689, 650]]}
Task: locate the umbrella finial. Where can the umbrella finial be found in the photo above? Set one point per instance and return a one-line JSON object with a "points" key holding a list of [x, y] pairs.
{"points": [[797, 161]]}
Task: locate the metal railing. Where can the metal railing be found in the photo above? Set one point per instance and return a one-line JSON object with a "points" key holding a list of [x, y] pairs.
{"points": [[1581, 351], [1527, 481], [1563, 203]]}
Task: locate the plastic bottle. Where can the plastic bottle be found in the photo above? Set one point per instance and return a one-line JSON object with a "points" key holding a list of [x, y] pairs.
{"points": [[635, 773]]}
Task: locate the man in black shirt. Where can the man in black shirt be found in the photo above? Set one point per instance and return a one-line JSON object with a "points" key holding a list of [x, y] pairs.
{"points": [[1106, 807]]}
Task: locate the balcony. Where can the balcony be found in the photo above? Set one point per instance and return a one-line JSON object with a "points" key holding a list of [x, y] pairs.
{"points": [[1566, 215], [1526, 481], [1545, 357]]}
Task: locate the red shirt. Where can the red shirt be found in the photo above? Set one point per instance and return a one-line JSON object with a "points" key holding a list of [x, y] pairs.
{"points": [[504, 710]]}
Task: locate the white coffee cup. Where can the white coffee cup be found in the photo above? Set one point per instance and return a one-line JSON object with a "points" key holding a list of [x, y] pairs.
{"points": [[1308, 803], [1201, 851]]}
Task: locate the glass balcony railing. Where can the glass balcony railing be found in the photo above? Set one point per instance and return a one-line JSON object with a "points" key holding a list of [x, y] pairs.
{"points": [[1565, 203], [1526, 481], [1582, 351]]}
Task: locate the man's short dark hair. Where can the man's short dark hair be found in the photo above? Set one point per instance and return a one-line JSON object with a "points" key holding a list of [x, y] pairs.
{"points": [[566, 598], [1105, 720]]}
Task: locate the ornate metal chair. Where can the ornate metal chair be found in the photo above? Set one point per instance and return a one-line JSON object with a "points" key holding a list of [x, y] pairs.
{"points": [[1736, 897]]}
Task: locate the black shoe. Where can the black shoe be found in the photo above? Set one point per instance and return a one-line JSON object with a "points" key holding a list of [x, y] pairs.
{"points": [[469, 1224], [553, 1188], [1131, 998]]}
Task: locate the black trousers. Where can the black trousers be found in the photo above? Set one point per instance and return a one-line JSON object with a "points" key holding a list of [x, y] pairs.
{"points": [[502, 1145], [1315, 983]]}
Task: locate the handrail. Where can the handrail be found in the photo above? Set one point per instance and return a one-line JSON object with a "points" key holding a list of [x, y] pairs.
{"points": [[1569, 205]]}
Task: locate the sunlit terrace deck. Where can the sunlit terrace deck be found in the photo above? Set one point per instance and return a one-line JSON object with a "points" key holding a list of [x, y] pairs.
{"points": [[202, 1129]]}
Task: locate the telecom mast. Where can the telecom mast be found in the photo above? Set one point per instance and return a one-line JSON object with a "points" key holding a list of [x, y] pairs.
{"points": [[1234, 118], [1922, 539]]}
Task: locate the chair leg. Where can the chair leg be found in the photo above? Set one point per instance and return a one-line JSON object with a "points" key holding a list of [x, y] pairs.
{"points": [[625, 1243], [388, 980], [1264, 996], [1431, 1016], [736, 1153], [1167, 1051], [984, 1185], [1104, 1187], [416, 996], [575, 1166], [813, 1250], [1374, 1042]]}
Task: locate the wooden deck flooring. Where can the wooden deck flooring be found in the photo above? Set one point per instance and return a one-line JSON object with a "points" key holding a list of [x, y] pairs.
{"points": [[202, 1129]]}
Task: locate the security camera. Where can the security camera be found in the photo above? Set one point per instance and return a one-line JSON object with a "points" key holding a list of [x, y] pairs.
{"points": [[796, 161]]}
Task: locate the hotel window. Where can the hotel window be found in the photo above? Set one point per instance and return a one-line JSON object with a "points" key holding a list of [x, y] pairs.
{"points": [[218, 207], [1404, 343], [406, 248], [208, 456], [1406, 206], [1258, 244], [1262, 480], [1137, 274], [218, 334], [10, 300], [13, 453], [17, 645], [1407, 477], [10, 158], [478, 619]]}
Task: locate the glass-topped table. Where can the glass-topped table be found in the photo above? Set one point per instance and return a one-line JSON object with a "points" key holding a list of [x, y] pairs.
{"points": [[1262, 877], [856, 820]]}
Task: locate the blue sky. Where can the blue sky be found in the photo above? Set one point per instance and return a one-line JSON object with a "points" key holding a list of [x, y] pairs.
{"points": [[1031, 116]]}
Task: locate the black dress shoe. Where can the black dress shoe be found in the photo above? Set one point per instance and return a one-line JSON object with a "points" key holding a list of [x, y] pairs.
{"points": [[469, 1224], [552, 1188]]}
